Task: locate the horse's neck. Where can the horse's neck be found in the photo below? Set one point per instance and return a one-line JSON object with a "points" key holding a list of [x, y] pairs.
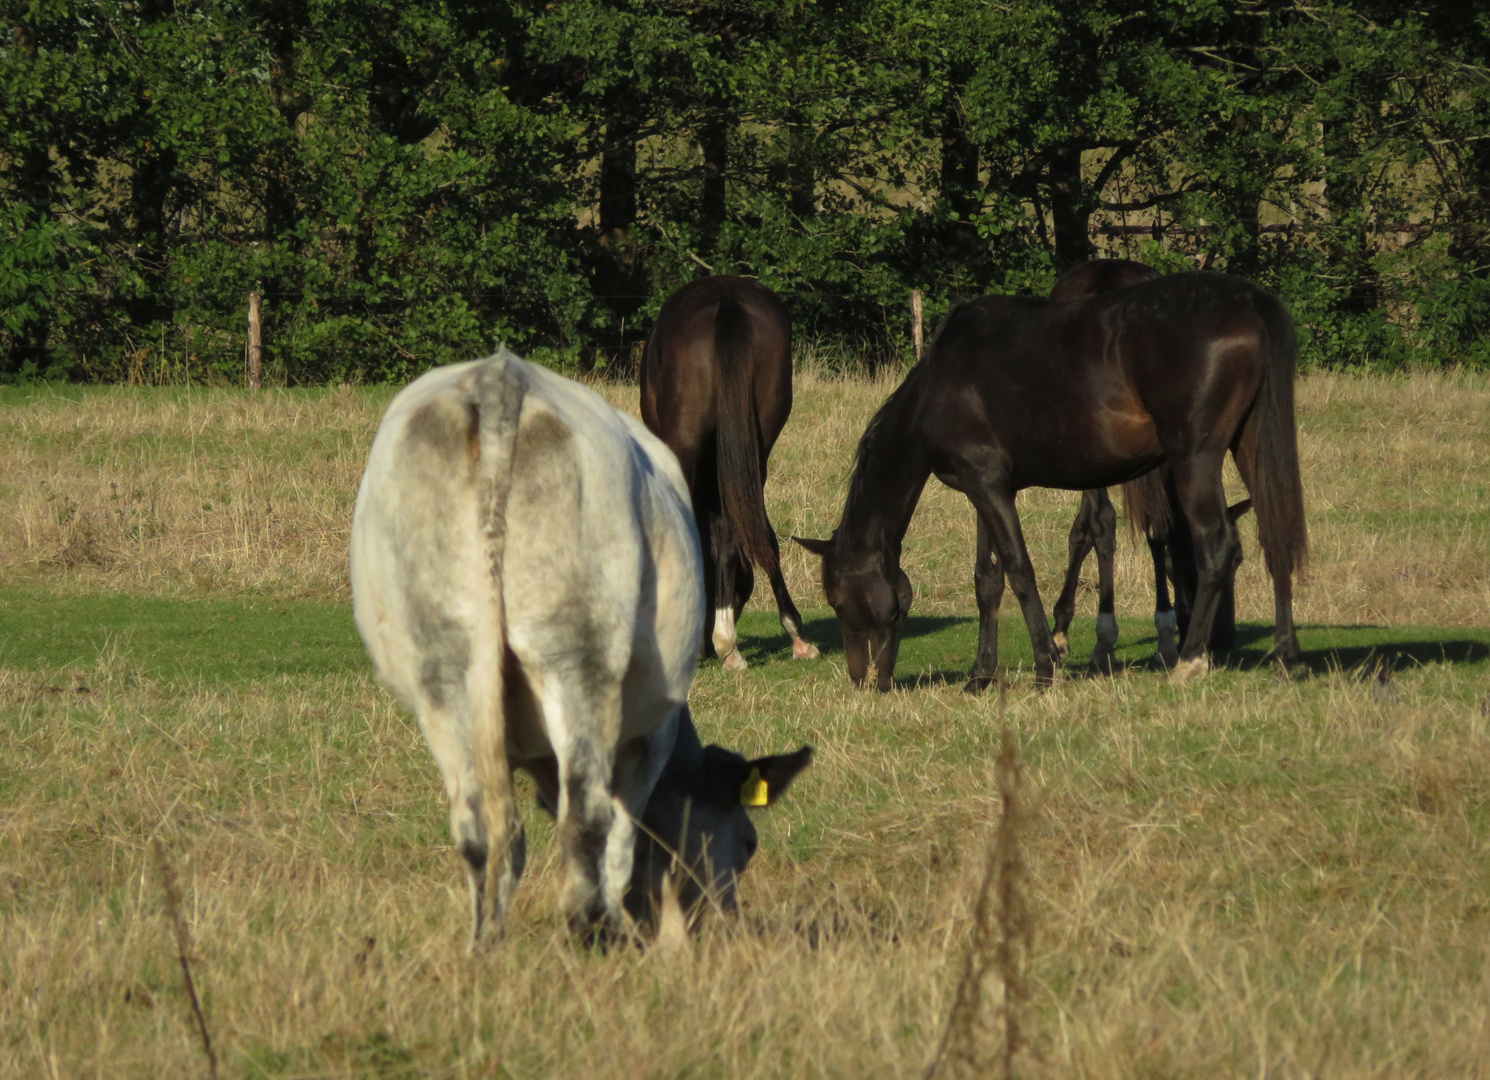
{"points": [[887, 482]]}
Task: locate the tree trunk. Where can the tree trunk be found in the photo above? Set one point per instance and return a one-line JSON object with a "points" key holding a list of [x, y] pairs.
{"points": [[801, 178], [618, 267], [959, 186], [153, 180], [714, 142], [1071, 206], [1348, 238]]}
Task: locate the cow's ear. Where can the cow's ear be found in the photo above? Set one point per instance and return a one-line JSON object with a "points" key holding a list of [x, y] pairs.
{"points": [[820, 548], [767, 778]]}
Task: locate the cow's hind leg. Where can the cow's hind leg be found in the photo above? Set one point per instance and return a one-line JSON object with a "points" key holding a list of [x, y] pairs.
{"points": [[498, 859], [596, 834]]}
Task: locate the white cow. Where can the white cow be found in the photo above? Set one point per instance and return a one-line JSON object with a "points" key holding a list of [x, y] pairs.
{"points": [[526, 576]]}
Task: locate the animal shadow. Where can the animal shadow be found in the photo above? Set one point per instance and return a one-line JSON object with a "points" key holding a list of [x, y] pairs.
{"points": [[1255, 640]]}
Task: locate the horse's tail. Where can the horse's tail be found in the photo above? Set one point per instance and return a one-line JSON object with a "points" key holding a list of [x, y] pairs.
{"points": [[741, 487], [1146, 505], [500, 389], [1271, 434]]}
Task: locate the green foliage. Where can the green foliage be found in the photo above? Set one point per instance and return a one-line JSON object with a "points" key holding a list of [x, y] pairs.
{"points": [[408, 183]]}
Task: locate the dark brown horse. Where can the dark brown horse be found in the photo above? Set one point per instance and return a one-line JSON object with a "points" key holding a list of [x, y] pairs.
{"points": [[1017, 392], [717, 388], [1146, 502]]}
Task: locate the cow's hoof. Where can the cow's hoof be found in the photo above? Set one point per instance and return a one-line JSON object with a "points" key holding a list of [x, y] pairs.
{"points": [[804, 650], [734, 661], [1189, 670], [1062, 645]]}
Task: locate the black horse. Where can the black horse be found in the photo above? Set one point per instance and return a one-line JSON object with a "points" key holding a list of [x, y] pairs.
{"points": [[1149, 512], [1018, 392], [716, 386]]}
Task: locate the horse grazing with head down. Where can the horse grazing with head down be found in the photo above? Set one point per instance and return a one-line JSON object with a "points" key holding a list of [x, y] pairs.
{"points": [[716, 387], [1018, 392], [1150, 512]]}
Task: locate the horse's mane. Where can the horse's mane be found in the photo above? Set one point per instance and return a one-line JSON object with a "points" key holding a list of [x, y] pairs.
{"points": [[880, 425]]}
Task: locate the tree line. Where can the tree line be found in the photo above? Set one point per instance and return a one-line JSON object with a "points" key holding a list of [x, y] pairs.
{"points": [[406, 182]]}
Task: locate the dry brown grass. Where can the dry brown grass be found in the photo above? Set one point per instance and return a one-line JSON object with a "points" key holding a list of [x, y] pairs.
{"points": [[1248, 877], [215, 489]]}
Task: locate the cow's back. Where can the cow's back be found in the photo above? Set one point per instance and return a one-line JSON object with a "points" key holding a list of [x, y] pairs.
{"points": [[601, 569]]}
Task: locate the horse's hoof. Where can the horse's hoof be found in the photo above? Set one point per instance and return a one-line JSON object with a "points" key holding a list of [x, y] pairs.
{"points": [[978, 683], [804, 650], [1167, 657], [1062, 645], [1189, 670], [1104, 660], [734, 661]]}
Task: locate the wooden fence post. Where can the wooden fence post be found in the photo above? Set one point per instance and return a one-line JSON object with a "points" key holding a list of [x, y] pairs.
{"points": [[916, 335], [255, 342]]}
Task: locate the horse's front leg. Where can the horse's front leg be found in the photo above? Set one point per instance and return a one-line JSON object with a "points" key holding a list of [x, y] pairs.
{"points": [[996, 506], [988, 584]]}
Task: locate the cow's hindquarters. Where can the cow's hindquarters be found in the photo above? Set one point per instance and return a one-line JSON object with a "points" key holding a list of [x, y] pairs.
{"points": [[427, 547]]}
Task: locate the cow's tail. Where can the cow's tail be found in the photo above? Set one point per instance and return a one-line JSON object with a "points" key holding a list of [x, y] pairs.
{"points": [[741, 488], [1278, 491], [501, 386]]}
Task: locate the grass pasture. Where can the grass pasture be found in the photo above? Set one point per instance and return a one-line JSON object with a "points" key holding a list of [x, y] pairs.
{"points": [[1247, 876]]}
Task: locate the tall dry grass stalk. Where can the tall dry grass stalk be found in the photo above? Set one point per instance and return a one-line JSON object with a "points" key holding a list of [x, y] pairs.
{"points": [[984, 1028], [182, 935]]}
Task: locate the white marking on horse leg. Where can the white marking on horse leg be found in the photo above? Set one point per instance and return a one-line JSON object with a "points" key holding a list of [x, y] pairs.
{"points": [[1107, 630], [801, 650], [1190, 670], [1165, 623], [1062, 644], [726, 640], [1107, 634]]}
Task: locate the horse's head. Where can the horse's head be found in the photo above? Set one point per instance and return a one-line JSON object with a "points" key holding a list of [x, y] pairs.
{"points": [[871, 597]]}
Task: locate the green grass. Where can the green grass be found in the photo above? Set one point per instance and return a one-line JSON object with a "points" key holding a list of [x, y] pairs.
{"points": [[199, 641]]}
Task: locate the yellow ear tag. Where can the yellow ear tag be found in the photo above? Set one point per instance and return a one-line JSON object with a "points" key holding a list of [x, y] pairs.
{"points": [[754, 792]]}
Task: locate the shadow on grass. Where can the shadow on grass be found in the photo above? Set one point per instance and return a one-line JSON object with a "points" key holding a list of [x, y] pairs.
{"points": [[1391, 651], [827, 636]]}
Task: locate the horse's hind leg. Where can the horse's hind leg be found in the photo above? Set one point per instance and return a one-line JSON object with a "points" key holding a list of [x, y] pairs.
{"points": [[791, 618], [988, 583], [1084, 532], [726, 553], [1218, 552], [1105, 654], [1164, 617]]}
